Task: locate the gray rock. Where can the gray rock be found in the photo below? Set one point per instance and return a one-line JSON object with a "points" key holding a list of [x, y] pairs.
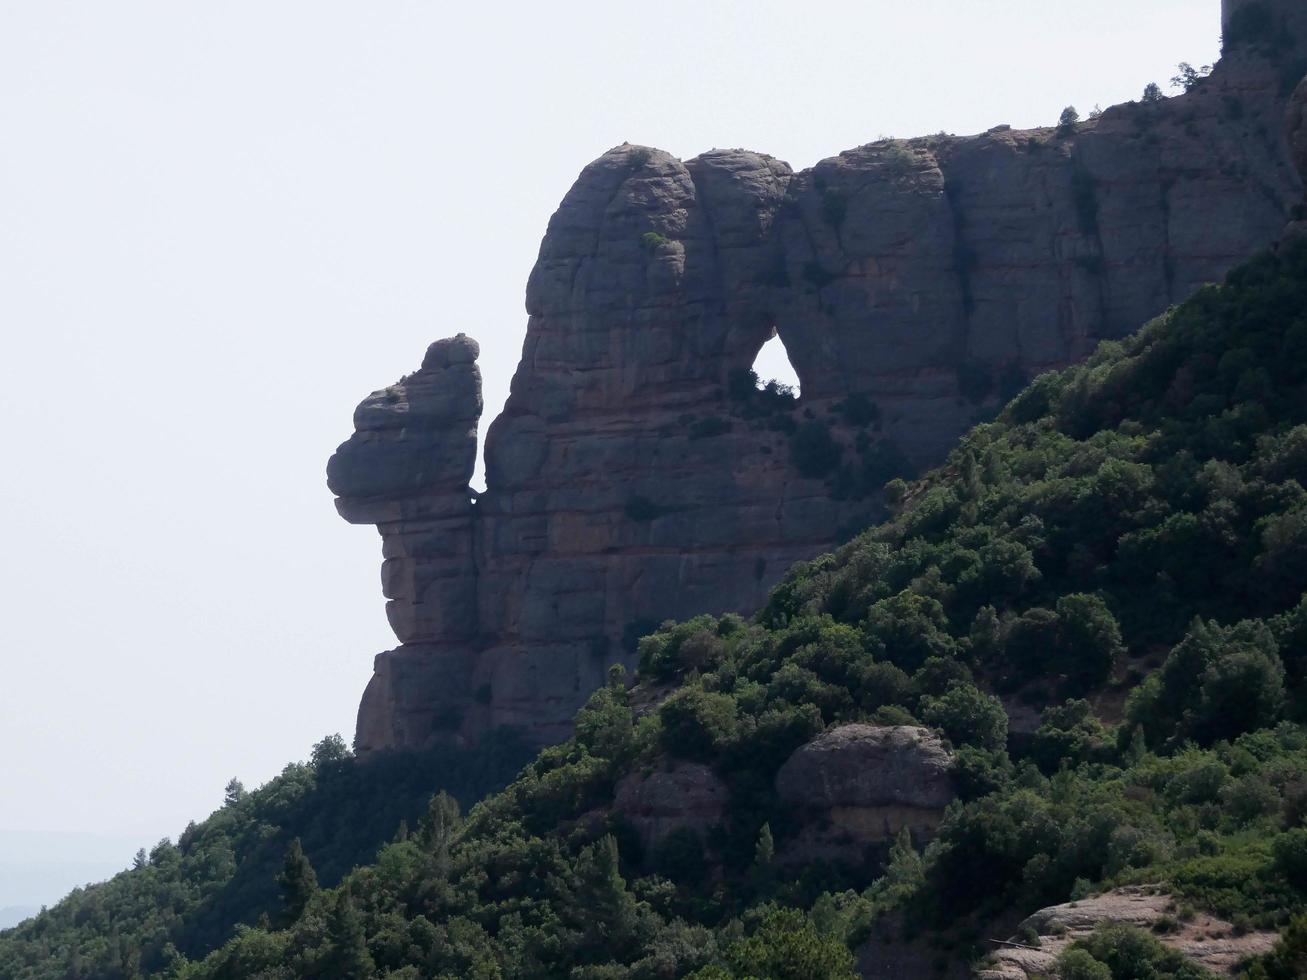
{"points": [[859, 785], [869, 766], [687, 796], [1204, 940], [624, 486]]}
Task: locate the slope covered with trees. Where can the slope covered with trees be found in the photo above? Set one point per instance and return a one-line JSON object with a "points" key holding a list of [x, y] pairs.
{"points": [[1121, 554], [185, 898]]}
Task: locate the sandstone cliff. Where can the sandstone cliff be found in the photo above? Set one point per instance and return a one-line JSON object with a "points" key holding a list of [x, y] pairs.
{"points": [[635, 475]]}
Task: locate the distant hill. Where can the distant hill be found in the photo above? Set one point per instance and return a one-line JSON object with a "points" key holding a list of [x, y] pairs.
{"points": [[14, 914]]}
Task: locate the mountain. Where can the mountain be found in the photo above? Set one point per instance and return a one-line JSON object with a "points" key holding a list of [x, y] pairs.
{"points": [[1059, 694], [11, 915], [1046, 715], [636, 473]]}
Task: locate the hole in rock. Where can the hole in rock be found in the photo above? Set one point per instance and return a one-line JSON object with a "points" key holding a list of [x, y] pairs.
{"points": [[773, 364]]}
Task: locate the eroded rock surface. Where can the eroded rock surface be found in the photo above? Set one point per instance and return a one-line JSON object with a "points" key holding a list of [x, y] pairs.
{"points": [[914, 283], [862, 784], [687, 796], [1207, 941]]}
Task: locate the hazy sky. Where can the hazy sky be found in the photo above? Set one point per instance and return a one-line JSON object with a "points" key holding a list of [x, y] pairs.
{"points": [[223, 224]]}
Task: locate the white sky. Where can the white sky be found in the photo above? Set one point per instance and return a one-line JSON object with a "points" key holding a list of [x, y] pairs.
{"points": [[223, 224]]}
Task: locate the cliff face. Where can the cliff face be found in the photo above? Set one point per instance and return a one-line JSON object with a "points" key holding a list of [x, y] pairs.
{"points": [[636, 476]]}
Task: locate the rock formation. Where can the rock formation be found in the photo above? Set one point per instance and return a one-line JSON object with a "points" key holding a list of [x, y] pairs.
{"points": [[686, 796], [635, 475], [1208, 942], [862, 784]]}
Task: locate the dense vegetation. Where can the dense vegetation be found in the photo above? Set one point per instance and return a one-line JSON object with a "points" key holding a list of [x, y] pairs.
{"points": [[186, 898], [1124, 551]]}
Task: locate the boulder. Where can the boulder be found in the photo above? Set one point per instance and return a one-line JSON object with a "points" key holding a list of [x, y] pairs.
{"points": [[689, 795], [1207, 941], [858, 785]]}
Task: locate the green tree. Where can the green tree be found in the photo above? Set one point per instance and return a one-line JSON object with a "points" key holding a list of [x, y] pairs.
{"points": [[607, 912], [786, 946], [1089, 640], [327, 753], [1188, 76], [347, 956], [442, 820], [233, 793], [908, 629], [696, 722], [297, 881], [1076, 964], [1066, 123], [764, 851], [967, 716]]}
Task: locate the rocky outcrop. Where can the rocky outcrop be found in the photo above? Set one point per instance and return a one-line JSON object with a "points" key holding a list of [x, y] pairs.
{"points": [[857, 785], [632, 477], [406, 469], [1208, 942], [688, 796]]}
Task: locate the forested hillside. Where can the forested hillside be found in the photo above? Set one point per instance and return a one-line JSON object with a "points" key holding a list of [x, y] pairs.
{"points": [[186, 897], [1122, 555]]}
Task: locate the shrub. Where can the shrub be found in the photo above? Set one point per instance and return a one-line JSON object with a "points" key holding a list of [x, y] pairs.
{"points": [[1290, 854], [1189, 76], [1076, 964], [785, 945], [697, 722], [652, 241], [967, 716], [1131, 952], [899, 159], [908, 629]]}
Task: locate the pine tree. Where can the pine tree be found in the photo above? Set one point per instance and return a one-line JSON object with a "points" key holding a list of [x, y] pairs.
{"points": [[1138, 747], [441, 822], [347, 948], [297, 881], [603, 907], [970, 476], [765, 850], [233, 793]]}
